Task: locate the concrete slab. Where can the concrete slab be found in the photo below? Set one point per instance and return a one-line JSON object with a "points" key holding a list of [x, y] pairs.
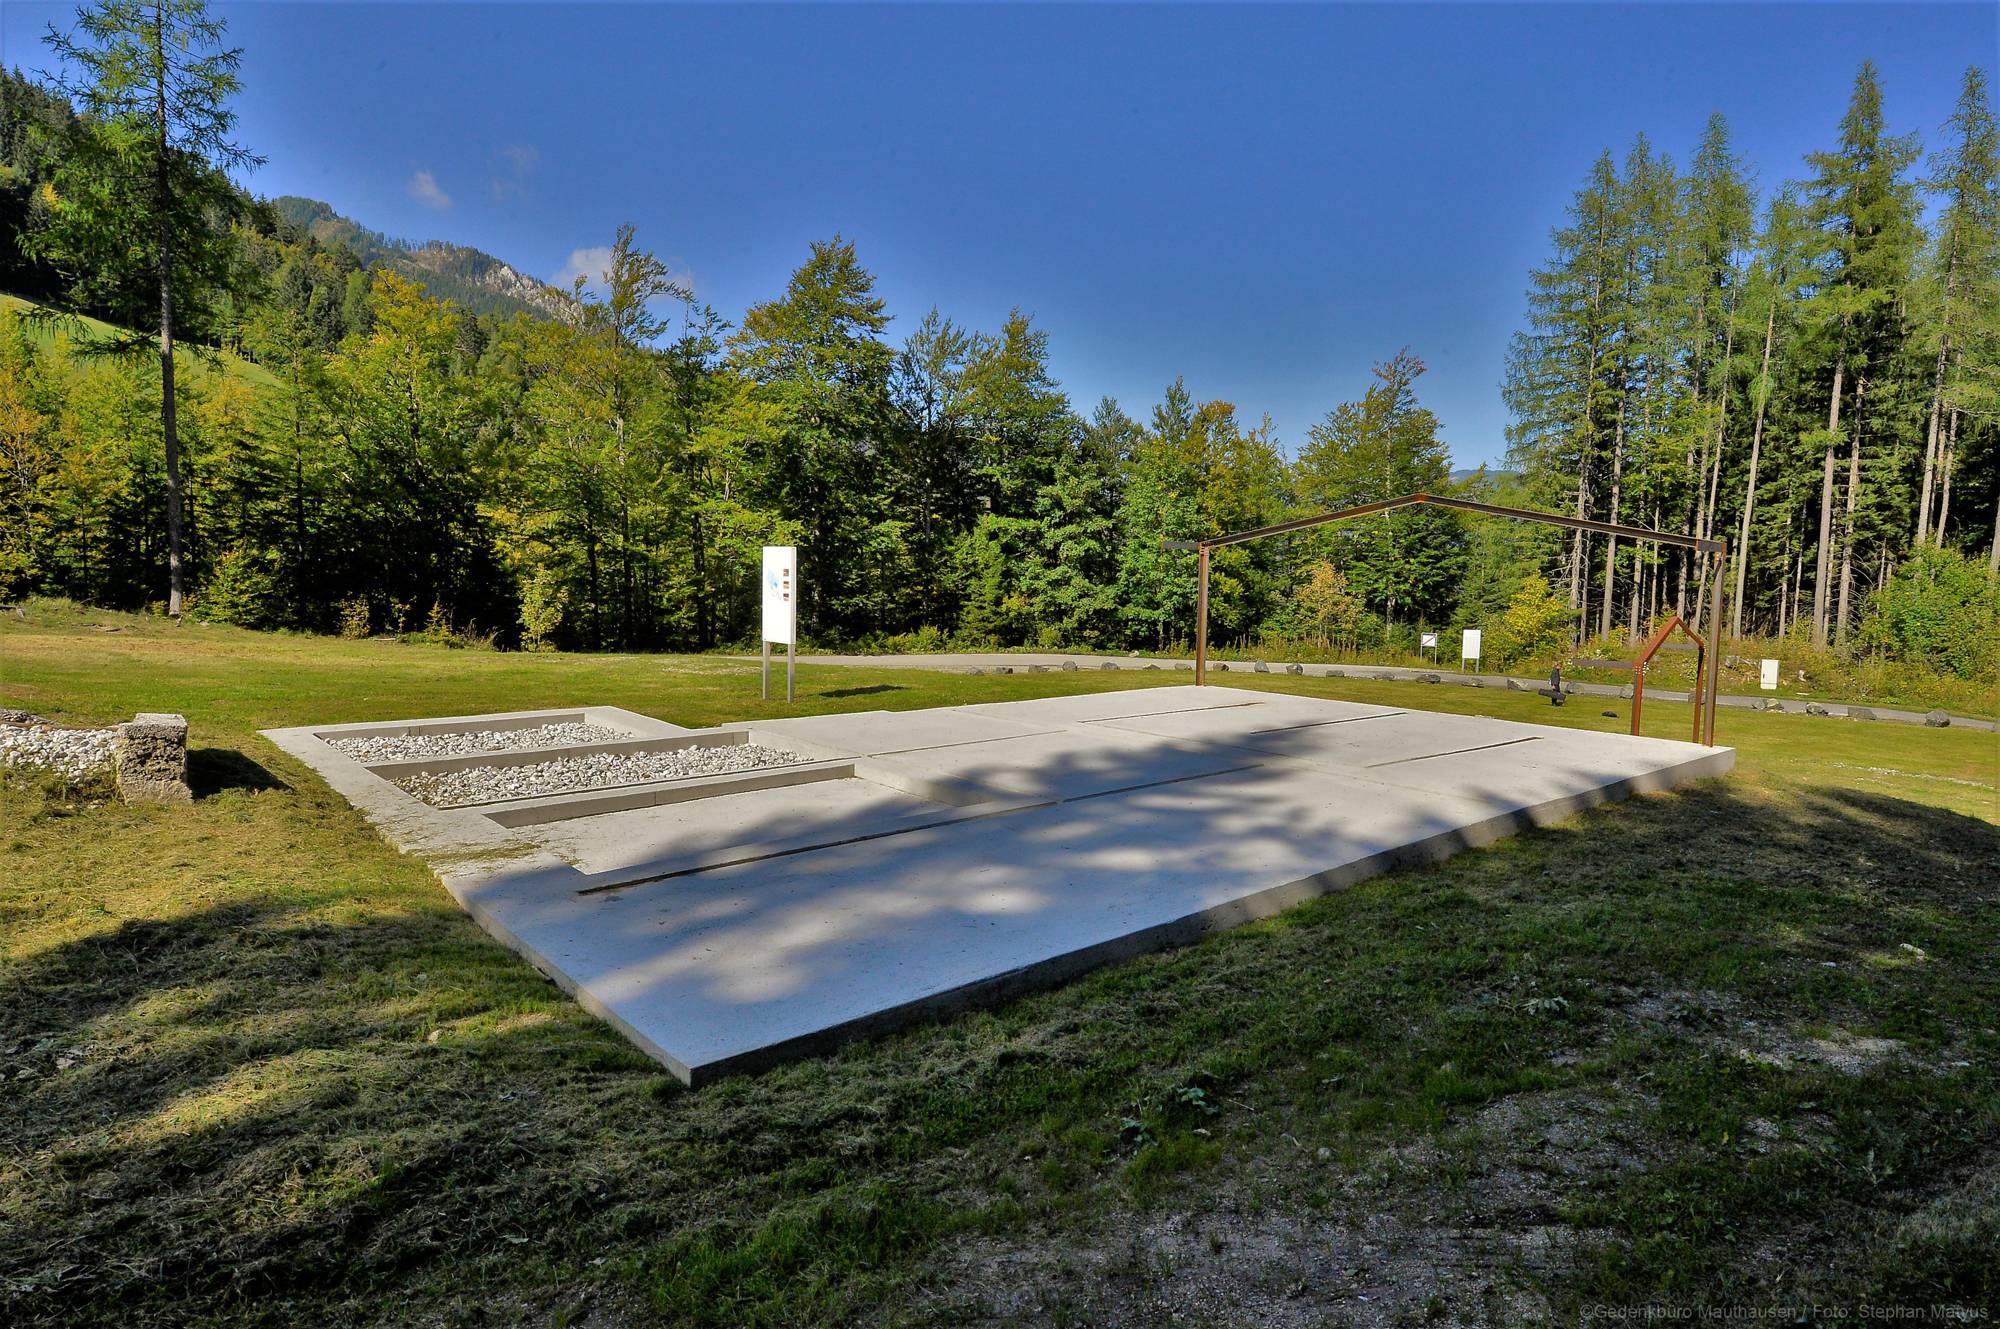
{"points": [[959, 855]]}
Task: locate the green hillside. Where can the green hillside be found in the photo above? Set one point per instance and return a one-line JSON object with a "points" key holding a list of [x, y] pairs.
{"points": [[200, 361], [470, 278]]}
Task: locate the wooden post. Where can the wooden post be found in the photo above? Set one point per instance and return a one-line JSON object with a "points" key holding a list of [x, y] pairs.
{"points": [[1201, 618]]}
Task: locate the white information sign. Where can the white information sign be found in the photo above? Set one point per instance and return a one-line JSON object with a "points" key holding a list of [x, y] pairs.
{"points": [[1768, 678], [1430, 641], [1468, 646], [781, 593]]}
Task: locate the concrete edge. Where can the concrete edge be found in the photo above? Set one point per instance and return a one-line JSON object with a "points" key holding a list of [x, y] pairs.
{"points": [[1057, 970]]}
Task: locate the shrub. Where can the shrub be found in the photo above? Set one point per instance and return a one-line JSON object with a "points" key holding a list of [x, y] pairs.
{"points": [[1938, 609], [1537, 624], [240, 591], [543, 603], [356, 617]]}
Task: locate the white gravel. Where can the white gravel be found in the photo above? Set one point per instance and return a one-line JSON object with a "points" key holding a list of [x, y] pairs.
{"points": [[485, 784], [72, 753], [413, 747]]}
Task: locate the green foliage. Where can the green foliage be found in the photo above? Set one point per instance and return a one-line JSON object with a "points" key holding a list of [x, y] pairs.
{"points": [[239, 591], [356, 617], [597, 469], [1940, 609], [543, 602], [1538, 625]]}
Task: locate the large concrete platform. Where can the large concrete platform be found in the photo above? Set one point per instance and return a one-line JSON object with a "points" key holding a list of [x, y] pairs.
{"points": [[913, 863]]}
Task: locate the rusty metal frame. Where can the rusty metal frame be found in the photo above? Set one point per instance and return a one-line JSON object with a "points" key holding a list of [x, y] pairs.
{"points": [[1717, 550], [1645, 656]]}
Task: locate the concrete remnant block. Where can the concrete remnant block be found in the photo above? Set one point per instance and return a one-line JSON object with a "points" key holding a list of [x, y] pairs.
{"points": [[1937, 720], [151, 756]]}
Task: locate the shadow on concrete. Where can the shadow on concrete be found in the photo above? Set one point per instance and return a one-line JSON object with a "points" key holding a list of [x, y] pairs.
{"points": [[258, 1112]]}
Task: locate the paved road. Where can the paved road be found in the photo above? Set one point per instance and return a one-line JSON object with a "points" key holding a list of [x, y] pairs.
{"points": [[990, 662]]}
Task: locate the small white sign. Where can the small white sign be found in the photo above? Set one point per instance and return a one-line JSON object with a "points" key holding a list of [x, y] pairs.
{"points": [[1768, 678], [1468, 646], [781, 593], [1430, 641]]}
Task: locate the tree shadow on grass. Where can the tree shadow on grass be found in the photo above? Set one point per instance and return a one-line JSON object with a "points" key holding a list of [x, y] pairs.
{"points": [[255, 1108], [873, 689], [214, 770]]}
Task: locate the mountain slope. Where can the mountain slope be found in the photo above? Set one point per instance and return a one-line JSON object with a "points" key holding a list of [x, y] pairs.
{"points": [[470, 278]]}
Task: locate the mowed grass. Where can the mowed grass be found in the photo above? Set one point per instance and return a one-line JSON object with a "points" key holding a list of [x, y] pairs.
{"points": [[1730, 1046]]}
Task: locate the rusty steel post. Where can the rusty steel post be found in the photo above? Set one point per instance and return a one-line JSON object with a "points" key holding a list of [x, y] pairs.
{"points": [[1715, 636], [1201, 618]]}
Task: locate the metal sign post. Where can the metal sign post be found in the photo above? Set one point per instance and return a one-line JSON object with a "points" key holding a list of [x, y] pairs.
{"points": [[781, 613]]}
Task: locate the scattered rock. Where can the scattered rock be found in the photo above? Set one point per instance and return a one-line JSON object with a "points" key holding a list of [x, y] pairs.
{"points": [[1625, 693], [466, 742], [1003, 669], [1430, 678], [74, 754], [1152, 666], [1937, 720], [1261, 668], [1514, 685], [1107, 664], [595, 770], [1295, 669], [151, 756], [1038, 669], [1814, 708], [1860, 713], [1773, 704], [1183, 666], [975, 671], [1069, 666], [1220, 666], [1609, 715]]}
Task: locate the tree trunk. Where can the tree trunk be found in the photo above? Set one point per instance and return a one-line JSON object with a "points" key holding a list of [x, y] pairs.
{"points": [[1847, 525], [1611, 541], [169, 432], [1950, 464], [1823, 561], [1750, 485], [1931, 449]]}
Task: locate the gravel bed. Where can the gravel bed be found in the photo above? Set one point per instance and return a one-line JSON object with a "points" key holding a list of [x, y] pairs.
{"points": [[72, 753], [412, 747], [484, 784]]}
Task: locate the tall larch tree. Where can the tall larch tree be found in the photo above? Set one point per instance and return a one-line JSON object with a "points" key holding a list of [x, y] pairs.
{"points": [[141, 199]]}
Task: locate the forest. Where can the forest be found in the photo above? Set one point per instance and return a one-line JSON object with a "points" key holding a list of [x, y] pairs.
{"points": [[1811, 371]]}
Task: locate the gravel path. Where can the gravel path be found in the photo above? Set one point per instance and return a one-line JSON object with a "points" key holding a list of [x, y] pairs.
{"points": [[74, 753], [411, 747], [484, 784]]}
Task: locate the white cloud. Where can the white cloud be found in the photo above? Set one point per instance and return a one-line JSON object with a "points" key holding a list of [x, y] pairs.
{"points": [[591, 264], [424, 188]]}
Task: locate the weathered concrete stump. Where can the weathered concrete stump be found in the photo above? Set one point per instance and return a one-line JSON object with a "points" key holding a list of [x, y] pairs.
{"points": [[151, 755]]}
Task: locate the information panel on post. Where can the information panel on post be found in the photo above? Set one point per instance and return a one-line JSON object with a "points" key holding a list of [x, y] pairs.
{"points": [[781, 611], [1468, 648], [781, 603]]}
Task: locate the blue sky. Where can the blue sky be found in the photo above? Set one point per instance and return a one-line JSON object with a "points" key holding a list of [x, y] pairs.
{"points": [[1265, 200]]}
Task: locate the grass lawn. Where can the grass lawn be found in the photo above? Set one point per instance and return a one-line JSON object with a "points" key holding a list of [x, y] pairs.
{"points": [[1734, 1046]]}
